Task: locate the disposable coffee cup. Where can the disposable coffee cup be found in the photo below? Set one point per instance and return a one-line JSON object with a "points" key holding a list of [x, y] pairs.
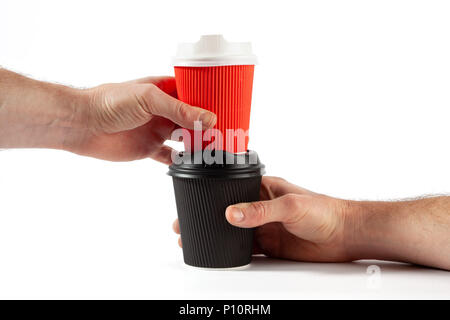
{"points": [[203, 191], [217, 75]]}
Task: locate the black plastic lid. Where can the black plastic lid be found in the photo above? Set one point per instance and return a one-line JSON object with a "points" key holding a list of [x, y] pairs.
{"points": [[216, 164]]}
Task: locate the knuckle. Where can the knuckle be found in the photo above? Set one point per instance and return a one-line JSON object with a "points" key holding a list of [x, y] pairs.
{"points": [[260, 211], [182, 110], [295, 206], [272, 182], [292, 201], [147, 102], [151, 88], [277, 179]]}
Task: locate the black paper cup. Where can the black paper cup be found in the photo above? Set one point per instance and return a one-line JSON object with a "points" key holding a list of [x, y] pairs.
{"points": [[203, 190]]}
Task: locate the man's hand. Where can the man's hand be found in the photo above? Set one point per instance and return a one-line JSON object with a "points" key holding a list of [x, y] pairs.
{"points": [[293, 223], [132, 120], [297, 224], [119, 121]]}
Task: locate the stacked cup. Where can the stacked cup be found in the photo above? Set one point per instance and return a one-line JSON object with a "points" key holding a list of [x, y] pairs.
{"points": [[216, 170]]}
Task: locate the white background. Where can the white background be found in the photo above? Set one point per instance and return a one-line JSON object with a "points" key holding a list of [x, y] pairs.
{"points": [[351, 99]]}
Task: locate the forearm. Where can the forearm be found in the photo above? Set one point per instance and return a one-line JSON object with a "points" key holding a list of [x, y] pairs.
{"points": [[35, 114], [411, 231]]}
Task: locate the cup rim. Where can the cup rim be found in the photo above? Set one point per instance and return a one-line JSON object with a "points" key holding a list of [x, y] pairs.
{"points": [[243, 165]]}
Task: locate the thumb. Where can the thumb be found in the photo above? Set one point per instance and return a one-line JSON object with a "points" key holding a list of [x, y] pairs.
{"points": [[248, 215], [305, 216], [157, 102]]}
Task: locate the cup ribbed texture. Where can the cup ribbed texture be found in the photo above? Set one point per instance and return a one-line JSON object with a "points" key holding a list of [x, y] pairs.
{"points": [[207, 237], [224, 90]]}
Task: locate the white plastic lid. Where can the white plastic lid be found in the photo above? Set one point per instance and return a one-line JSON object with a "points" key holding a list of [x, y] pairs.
{"points": [[214, 50]]}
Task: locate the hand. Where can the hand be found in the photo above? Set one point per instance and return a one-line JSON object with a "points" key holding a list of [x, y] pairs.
{"points": [[297, 224], [293, 223], [131, 120], [119, 121]]}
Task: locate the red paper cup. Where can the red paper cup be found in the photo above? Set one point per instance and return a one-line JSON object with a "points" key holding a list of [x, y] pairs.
{"points": [[217, 75], [224, 90]]}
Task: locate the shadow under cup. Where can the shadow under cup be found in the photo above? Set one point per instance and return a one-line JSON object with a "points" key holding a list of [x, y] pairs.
{"points": [[203, 192]]}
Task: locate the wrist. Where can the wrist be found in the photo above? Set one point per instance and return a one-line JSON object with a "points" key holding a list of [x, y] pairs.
{"points": [[64, 121], [36, 114], [74, 124], [370, 230]]}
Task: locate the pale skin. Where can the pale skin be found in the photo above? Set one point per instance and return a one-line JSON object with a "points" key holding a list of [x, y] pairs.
{"points": [[297, 224], [116, 121], [132, 120]]}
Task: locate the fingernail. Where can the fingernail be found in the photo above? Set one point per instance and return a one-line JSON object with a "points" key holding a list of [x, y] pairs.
{"points": [[208, 119], [237, 215]]}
